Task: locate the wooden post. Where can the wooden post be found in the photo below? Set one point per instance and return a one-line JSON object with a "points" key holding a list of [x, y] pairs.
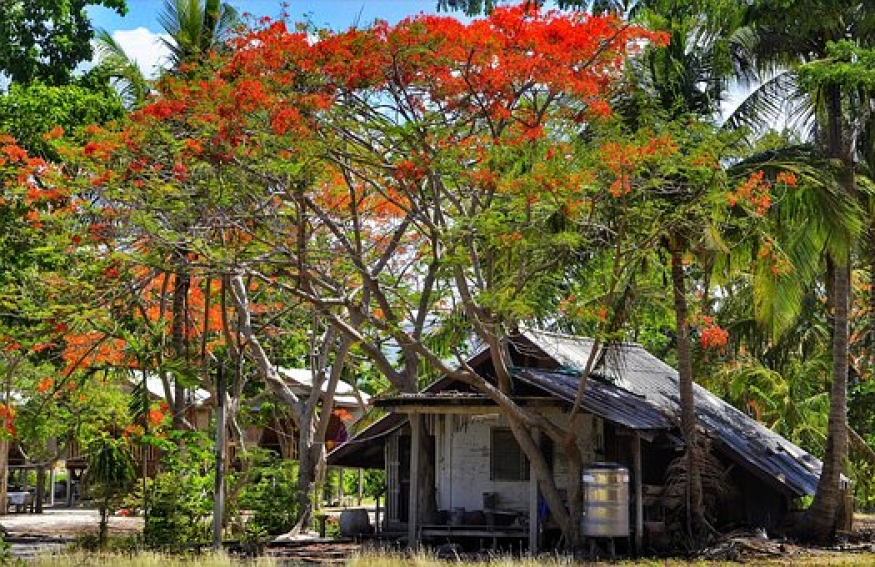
{"points": [[340, 493], [69, 486], [52, 487], [361, 486], [40, 488], [413, 507], [533, 502], [377, 524], [219, 490], [639, 492]]}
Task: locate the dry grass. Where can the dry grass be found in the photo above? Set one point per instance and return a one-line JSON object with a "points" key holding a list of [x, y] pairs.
{"points": [[144, 559], [829, 559], [81, 559], [425, 560]]}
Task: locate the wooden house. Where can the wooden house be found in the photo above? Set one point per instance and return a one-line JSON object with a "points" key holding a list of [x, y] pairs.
{"points": [[631, 420]]}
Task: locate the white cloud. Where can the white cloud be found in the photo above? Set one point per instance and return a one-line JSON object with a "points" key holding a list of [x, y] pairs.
{"points": [[144, 47]]}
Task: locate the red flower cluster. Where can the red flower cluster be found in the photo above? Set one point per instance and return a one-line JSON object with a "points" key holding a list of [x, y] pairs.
{"points": [[755, 193], [7, 418], [623, 160], [712, 335]]}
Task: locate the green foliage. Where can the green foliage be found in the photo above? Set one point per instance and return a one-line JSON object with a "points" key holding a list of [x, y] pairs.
{"points": [[123, 544], [80, 409], [196, 27], [792, 401], [111, 472], [847, 64], [5, 550], [30, 111], [270, 495], [46, 39], [863, 474], [179, 500], [374, 482]]}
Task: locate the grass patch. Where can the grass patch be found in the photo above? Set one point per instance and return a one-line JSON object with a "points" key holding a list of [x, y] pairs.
{"points": [[145, 559], [429, 560], [424, 559]]}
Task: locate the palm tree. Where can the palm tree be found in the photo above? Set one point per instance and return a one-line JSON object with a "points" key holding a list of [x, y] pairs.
{"points": [[687, 78], [124, 72], [196, 29], [786, 37]]}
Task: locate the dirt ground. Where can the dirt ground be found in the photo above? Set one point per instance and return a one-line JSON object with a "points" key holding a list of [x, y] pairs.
{"points": [[66, 523]]}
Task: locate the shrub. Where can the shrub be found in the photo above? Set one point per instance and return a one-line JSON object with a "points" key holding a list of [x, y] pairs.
{"points": [[271, 495], [180, 500]]}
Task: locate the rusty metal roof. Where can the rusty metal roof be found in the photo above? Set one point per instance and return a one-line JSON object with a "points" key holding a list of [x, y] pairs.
{"points": [[600, 398], [629, 376]]}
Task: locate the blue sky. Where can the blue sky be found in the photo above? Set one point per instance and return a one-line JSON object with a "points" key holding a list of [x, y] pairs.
{"points": [[138, 32], [336, 14]]}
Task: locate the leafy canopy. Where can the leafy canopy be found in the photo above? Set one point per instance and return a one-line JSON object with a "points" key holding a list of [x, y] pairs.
{"points": [[46, 39]]}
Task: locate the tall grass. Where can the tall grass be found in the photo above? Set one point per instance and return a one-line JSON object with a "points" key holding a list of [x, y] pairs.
{"points": [[145, 559], [428, 560], [383, 559]]}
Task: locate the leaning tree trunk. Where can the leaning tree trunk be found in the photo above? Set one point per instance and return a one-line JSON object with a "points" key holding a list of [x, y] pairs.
{"points": [[522, 424], [4, 468], [427, 510], [178, 336], [696, 523], [819, 521]]}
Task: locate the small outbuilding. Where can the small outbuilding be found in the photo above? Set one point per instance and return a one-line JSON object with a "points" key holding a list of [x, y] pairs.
{"points": [[484, 488]]}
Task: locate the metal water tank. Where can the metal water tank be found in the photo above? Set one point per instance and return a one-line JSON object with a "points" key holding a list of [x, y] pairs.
{"points": [[605, 500]]}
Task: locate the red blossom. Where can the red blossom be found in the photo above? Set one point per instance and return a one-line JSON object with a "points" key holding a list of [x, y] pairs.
{"points": [[54, 133], [164, 108], [712, 336], [155, 417], [753, 193]]}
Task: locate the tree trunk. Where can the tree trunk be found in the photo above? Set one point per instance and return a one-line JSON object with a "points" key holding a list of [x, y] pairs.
{"points": [[309, 456], [696, 523], [428, 510], [40, 488], [4, 471], [103, 529], [819, 521], [178, 334]]}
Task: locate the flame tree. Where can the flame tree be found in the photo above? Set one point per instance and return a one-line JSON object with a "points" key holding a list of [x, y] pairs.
{"points": [[417, 184]]}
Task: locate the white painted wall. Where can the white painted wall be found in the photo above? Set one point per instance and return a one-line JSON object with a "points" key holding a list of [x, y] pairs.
{"points": [[463, 463]]}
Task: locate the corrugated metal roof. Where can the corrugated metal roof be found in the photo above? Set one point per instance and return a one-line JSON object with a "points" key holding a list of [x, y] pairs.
{"points": [[600, 398], [654, 385], [365, 449]]}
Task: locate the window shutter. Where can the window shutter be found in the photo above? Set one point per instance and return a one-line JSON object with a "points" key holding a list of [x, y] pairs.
{"points": [[508, 462]]}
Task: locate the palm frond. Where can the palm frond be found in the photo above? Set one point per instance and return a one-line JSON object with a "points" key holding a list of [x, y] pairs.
{"points": [[125, 73]]}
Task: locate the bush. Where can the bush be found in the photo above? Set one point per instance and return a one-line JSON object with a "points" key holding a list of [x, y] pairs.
{"points": [[374, 482], [271, 495], [180, 500]]}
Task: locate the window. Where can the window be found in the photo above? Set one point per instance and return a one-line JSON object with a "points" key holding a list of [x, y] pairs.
{"points": [[508, 460]]}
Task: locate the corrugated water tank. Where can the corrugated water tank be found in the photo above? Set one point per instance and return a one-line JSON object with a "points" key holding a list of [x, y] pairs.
{"points": [[605, 500]]}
